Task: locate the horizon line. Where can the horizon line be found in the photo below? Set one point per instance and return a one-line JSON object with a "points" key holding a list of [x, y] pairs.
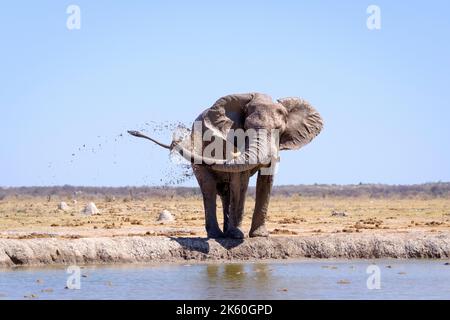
{"points": [[196, 187]]}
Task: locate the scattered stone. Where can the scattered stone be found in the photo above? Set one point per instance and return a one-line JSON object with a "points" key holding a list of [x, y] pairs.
{"points": [[48, 290], [283, 231], [292, 220], [434, 223], [63, 206], [136, 222], [166, 216], [370, 223], [447, 264], [91, 209], [39, 281], [110, 226], [339, 214]]}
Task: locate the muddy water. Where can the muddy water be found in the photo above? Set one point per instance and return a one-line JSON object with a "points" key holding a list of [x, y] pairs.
{"points": [[310, 279]]}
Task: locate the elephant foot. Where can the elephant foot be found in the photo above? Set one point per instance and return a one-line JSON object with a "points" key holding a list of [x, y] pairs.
{"points": [[259, 232], [234, 233], [215, 233]]}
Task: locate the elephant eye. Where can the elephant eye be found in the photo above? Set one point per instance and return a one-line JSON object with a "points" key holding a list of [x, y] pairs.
{"points": [[281, 112]]}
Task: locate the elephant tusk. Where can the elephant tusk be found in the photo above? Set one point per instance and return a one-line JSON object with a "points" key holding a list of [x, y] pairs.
{"points": [[235, 155]]}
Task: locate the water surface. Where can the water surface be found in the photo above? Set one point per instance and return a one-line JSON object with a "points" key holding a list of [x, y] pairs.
{"points": [[309, 279]]}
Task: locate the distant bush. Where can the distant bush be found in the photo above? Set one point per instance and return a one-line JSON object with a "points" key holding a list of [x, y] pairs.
{"points": [[432, 190]]}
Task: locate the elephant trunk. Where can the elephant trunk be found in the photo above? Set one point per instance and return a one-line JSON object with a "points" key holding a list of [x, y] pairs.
{"points": [[193, 157], [257, 152]]}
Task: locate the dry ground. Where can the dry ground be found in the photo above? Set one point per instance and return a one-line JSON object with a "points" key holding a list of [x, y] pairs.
{"points": [[35, 217]]}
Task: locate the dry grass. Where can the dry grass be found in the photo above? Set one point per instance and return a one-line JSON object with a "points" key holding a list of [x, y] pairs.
{"points": [[31, 217]]}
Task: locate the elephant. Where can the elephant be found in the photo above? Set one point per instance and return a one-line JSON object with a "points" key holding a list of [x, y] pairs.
{"points": [[224, 169]]}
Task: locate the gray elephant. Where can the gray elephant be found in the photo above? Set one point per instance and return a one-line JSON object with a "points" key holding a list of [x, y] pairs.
{"points": [[223, 161]]}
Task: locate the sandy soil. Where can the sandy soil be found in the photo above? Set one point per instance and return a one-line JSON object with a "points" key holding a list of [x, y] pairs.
{"points": [[32, 217]]}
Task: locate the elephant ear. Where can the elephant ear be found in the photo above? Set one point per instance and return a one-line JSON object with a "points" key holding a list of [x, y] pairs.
{"points": [[303, 124], [228, 112]]}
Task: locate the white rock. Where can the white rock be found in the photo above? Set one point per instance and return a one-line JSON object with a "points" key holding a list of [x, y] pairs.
{"points": [[91, 208], [166, 216], [63, 206]]}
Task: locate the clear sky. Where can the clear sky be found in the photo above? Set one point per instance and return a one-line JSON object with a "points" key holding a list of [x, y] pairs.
{"points": [[384, 94]]}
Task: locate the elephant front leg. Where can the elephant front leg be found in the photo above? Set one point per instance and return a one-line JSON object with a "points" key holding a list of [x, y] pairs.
{"points": [[211, 224], [263, 190], [209, 191]]}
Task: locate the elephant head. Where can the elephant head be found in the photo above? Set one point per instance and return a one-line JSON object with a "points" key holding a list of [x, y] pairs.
{"points": [[294, 119]]}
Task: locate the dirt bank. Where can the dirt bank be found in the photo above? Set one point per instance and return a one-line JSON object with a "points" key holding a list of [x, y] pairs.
{"points": [[150, 249]]}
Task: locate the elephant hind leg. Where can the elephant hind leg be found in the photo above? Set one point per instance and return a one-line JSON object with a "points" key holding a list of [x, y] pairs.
{"points": [[224, 192]]}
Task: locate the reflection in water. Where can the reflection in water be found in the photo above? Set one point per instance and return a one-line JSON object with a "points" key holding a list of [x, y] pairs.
{"points": [[237, 272], [234, 272], [232, 276], [263, 276], [212, 270]]}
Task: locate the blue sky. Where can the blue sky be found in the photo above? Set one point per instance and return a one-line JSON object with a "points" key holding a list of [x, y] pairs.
{"points": [[384, 94]]}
